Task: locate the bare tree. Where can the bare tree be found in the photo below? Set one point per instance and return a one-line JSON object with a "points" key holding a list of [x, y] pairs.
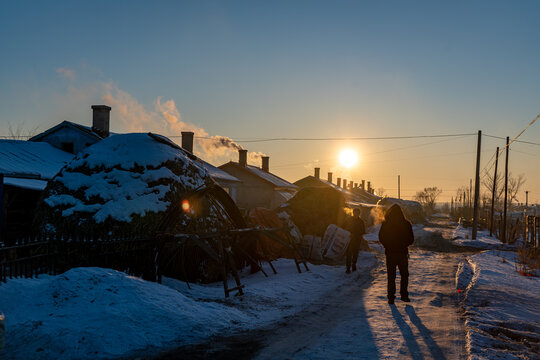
{"points": [[427, 197], [20, 133], [514, 185], [381, 192]]}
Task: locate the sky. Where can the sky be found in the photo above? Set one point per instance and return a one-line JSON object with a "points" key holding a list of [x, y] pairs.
{"points": [[251, 70]]}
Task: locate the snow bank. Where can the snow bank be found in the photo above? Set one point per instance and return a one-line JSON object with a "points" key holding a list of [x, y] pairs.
{"points": [[462, 237], [93, 313], [501, 307]]}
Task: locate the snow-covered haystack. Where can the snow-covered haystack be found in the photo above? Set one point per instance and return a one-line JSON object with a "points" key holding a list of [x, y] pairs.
{"points": [[412, 210], [130, 182]]}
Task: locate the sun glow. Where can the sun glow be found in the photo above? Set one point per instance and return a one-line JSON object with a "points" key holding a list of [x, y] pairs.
{"points": [[348, 158]]}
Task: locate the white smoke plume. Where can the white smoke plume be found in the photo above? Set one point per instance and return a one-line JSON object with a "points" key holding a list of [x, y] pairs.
{"points": [[129, 115]]}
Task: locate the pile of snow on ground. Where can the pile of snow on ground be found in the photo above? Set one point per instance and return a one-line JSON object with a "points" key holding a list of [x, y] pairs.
{"points": [[501, 307]]}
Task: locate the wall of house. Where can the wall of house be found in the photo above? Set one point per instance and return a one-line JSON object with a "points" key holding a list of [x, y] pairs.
{"points": [[231, 187], [253, 192], [63, 137], [18, 213]]}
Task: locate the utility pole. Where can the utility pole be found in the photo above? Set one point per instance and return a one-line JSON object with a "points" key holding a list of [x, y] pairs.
{"points": [[476, 186], [493, 192], [398, 187], [526, 199], [505, 189]]}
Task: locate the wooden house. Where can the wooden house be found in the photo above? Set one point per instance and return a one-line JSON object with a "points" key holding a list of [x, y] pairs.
{"points": [[25, 169], [259, 187]]}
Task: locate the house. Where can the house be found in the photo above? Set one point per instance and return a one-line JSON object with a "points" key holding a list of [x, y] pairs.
{"points": [[25, 169], [73, 138], [225, 180], [259, 187]]}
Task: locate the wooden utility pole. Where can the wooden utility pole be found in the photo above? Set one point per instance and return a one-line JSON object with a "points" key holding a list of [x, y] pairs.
{"points": [[526, 199], [505, 189], [493, 192], [476, 187], [398, 187], [1, 204]]}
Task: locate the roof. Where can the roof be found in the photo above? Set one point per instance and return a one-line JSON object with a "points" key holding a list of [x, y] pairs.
{"points": [[356, 195], [217, 173], [85, 129], [268, 177], [31, 184], [27, 159]]}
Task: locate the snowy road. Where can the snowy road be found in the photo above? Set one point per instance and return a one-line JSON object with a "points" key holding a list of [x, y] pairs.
{"points": [[355, 322]]}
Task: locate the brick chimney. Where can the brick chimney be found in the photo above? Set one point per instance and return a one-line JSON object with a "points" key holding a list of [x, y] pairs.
{"points": [[101, 120], [345, 183], [242, 158], [266, 163], [338, 182], [187, 141], [363, 185], [317, 173], [330, 177], [369, 186]]}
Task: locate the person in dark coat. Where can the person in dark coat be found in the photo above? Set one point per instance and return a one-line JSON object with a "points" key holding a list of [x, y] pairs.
{"points": [[396, 235], [357, 229]]}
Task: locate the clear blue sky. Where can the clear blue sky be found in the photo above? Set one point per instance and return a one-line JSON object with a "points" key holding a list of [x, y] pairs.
{"points": [[253, 69]]}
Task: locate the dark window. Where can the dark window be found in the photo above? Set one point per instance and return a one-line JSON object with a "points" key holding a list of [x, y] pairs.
{"points": [[67, 147]]}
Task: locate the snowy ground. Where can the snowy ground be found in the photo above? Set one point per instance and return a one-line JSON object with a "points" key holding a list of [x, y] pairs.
{"points": [[502, 307], [89, 313], [485, 311], [463, 237]]}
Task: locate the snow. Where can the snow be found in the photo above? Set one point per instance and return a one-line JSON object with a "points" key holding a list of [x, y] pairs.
{"points": [[274, 179], [30, 184], [501, 307], [91, 313], [463, 236], [29, 158]]}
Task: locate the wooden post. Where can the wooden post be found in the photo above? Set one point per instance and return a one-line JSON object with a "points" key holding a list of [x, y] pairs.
{"points": [[526, 200], [476, 187], [398, 187], [503, 237], [493, 192]]}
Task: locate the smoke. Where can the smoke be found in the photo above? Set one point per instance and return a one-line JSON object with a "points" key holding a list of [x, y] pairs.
{"points": [[129, 115], [377, 213]]}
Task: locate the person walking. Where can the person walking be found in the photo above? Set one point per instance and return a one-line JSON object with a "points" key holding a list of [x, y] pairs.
{"points": [[357, 229], [396, 235]]}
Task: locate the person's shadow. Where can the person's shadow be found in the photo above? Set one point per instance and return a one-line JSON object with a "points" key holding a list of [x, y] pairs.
{"points": [[432, 345], [407, 333]]}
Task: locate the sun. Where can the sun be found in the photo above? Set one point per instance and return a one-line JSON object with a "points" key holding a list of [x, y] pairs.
{"points": [[348, 158]]}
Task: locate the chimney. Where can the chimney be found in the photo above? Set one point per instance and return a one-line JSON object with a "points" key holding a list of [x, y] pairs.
{"points": [[338, 182], [330, 177], [363, 185], [101, 119], [369, 186], [187, 141], [242, 158], [317, 173], [344, 183], [266, 163], [355, 185]]}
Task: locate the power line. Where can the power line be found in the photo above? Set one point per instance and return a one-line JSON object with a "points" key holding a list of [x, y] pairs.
{"points": [[343, 138], [518, 141]]}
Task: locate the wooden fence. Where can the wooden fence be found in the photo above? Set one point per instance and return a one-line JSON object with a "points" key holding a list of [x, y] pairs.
{"points": [[532, 231]]}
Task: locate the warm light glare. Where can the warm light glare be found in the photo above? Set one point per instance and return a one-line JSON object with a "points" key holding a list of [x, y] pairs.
{"points": [[185, 205], [348, 158]]}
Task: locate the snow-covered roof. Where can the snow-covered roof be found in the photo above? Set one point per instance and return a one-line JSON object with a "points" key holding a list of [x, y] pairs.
{"points": [[28, 159], [268, 176], [30, 184], [85, 129], [217, 173]]}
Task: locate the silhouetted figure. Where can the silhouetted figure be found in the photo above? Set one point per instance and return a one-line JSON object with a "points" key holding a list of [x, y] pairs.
{"points": [[356, 227], [396, 235]]}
